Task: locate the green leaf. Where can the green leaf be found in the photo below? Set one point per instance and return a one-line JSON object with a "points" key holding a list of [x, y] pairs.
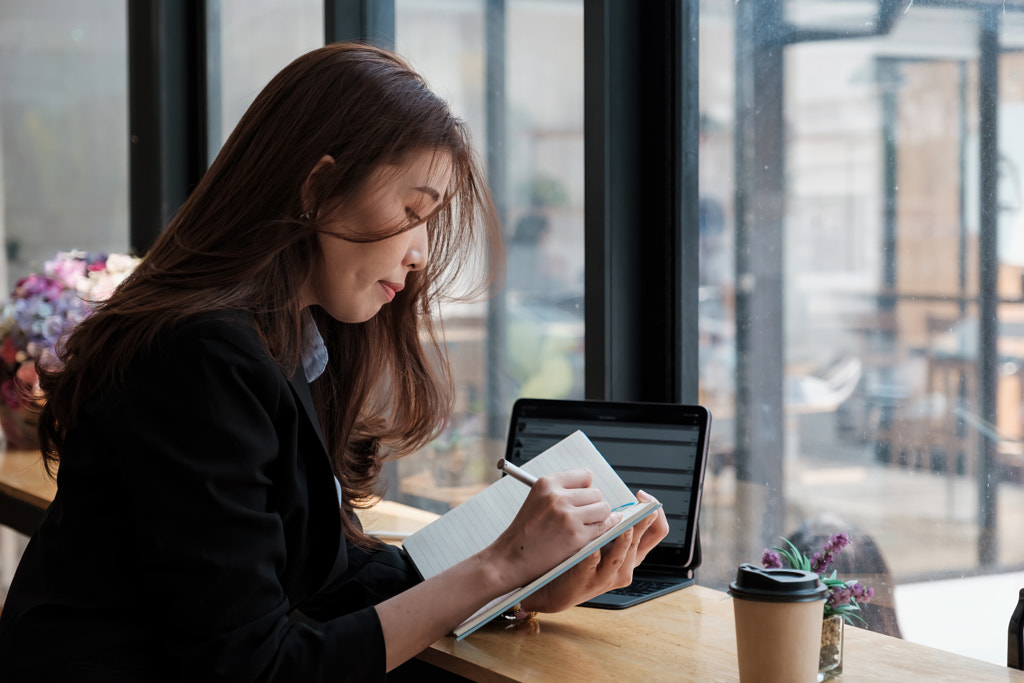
{"points": [[788, 556], [797, 559], [851, 617], [847, 612]]}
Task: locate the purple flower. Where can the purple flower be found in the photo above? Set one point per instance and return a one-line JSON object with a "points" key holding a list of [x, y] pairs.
{"points": [[771, 560], [820, 562], [839, 596], [46, 288], [836, 543], [67, 270], [862, 594]]}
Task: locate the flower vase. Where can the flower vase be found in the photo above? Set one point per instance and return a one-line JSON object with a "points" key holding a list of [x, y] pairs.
{"points": [[19, 427], [830, 659]]}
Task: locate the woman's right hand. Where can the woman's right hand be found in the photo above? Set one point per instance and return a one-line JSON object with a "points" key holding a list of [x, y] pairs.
{"points": [[561, 514]]}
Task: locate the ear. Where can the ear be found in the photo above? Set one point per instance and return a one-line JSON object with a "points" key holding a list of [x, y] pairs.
{"points": [[308, 198]]}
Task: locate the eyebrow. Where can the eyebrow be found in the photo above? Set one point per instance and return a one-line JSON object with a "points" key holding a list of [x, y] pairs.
{"points": [[429, 191]]}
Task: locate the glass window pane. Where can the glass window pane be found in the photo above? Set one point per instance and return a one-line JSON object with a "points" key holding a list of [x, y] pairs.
{"points": [[63, 146], [862, 321], [253, 40], [64, 124], [528, 341]]}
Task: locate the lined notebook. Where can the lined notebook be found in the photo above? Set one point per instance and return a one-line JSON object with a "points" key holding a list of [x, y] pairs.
{"points": [[473, 525]]}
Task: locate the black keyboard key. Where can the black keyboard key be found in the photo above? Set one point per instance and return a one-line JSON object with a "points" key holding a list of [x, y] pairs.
{"points": [[641, 587]]}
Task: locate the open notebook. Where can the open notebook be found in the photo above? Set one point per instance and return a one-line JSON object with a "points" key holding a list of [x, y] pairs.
{"points": [[473, 525]]}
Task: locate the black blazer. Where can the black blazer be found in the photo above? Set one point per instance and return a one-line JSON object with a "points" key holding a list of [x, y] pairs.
{"points": [[196, 533]]}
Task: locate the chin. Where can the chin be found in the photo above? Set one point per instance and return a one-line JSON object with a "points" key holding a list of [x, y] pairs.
{"points": [[362, 316], [350, 317], [352, 314]]}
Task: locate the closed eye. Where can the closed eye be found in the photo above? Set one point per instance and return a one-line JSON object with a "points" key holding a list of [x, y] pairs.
{"points": [[413, 215]]}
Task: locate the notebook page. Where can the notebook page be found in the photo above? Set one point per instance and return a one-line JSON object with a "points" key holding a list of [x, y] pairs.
{"points": [[466, 529], [576, 451], [473, 525]]}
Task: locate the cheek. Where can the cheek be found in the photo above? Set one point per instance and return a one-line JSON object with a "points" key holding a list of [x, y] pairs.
{"points": [[381, 259], [337, 258]]}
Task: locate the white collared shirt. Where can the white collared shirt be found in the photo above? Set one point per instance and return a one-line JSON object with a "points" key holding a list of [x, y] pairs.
{"points": [[314, 353]]}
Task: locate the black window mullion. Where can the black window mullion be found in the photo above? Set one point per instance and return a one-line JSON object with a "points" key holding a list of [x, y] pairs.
{"points": [[167, 110], [372, 21], [641, 225]]}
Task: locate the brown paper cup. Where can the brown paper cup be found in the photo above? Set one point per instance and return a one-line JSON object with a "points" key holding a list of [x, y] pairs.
{"points": [[778, 626]]}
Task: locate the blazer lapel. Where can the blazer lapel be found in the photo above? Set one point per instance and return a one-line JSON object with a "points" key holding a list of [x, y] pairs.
{"points": [[338, 560], [301, 390]]}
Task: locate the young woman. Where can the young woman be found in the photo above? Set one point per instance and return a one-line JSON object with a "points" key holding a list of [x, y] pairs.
{"points": [[246, 382]]}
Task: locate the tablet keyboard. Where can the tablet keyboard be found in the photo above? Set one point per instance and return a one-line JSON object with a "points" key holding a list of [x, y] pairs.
{"points": [[642, 587]]}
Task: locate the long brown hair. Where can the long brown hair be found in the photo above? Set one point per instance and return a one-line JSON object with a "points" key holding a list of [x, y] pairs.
{"points": [[247, 235]]}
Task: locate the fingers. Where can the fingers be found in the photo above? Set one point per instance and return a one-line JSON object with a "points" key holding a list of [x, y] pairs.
{"points": [[591, 561], [613, 565], [600, 515], [568, 496], [654, 532], [573, 479], [650, 535], [554, 490], [618, 560], [572, 488], [645, 497], [628, 551], [581, 497]]}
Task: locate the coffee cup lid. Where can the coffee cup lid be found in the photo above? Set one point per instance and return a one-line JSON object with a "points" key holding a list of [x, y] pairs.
{"points": [[776, 585]]}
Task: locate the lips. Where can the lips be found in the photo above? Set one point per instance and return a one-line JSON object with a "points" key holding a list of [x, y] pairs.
{"points": [[391, 288]]}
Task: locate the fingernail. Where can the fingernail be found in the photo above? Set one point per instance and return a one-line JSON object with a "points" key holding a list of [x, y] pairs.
{"points": [[646, 496]]}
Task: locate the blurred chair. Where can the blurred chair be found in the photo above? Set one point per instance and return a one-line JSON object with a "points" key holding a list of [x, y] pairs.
{"points": [[861, 560], [825, 389], [1015, 643]]}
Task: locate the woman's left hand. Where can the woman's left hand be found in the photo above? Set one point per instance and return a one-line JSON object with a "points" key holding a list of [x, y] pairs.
{"points": [[602, 571]]}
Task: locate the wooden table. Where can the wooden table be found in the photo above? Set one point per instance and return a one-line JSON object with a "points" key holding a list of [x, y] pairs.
{"points": [[685, 636], [25, 490]]}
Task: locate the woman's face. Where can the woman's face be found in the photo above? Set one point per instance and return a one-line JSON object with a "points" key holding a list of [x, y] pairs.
{"points": [[354, 279]]}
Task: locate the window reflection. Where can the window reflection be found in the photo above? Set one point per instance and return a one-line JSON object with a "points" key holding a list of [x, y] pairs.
{"points": [[253, 40], [526, 120], [63, 146], [862, 331], [64, 122]]}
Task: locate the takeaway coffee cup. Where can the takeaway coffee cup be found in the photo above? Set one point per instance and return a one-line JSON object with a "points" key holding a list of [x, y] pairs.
{"points": [[778, 624]]}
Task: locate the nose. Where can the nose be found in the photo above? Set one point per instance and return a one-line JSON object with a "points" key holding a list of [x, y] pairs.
{"points": [[417, 253]]}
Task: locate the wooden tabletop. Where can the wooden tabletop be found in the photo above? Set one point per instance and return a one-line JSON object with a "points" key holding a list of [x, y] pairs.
{"points": [[685, 636], [25, 489], [22, 475]]}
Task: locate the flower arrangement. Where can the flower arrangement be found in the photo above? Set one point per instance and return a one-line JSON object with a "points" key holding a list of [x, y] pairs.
{"points": [[43, 309], [844, 597]]}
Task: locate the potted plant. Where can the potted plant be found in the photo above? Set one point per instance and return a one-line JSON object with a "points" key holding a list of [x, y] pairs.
{"points": [[842, 604]]}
